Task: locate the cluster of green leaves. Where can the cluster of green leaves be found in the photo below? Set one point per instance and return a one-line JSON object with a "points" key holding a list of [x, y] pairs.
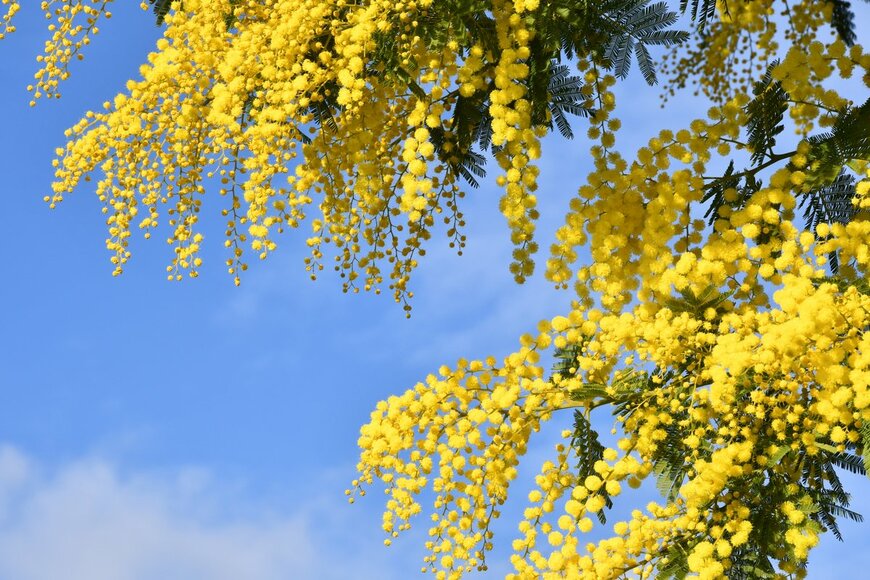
{"points": [[161, 9], [588, 449], [843, 20], [766, 113], [847, 141], [702, 11]]}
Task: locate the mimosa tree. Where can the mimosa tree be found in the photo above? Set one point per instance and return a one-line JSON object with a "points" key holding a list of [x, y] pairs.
{"points": [[721, 318]]}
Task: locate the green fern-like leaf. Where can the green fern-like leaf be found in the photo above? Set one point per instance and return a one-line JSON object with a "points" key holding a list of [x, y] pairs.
{"points": [[843, 20], [677, 565], [161, 9], [565, 97], [471, 166], [645, 64], [702, 11], [697, 304], [750, 564], [467, 163], [765, 114], [830, 204], [326, 109], [715, 191], [641, 24], [590, 392], [566, 361], [852, 137], [588, 450], [669, 462], [847, 140], [865, 443], [820, 482]]}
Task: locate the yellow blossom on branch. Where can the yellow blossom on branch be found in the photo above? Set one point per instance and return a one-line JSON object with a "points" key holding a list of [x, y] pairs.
{"points": [[720, 316]]}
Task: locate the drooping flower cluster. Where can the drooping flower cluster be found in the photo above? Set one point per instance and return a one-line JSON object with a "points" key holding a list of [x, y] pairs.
{"points": [[340, 112], [11, 8]]}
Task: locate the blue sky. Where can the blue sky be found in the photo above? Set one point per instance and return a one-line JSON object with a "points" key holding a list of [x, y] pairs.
{"points": [[197, 430]]}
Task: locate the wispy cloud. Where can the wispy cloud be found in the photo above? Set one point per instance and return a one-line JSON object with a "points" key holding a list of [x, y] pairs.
{"points": [[89, 521]]}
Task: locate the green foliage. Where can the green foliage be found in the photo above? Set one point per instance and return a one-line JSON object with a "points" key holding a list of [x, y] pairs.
{"points": [[765, 114], [697, 304], [730, 190], [843, 20], [612, 30], [848, 140], [565, 97], [676, 565], [640, 24], [588, 449], [830, 204], [865, 437], [821, 483], [161, 9], [565, 364], [702, 11], [669, 463]]}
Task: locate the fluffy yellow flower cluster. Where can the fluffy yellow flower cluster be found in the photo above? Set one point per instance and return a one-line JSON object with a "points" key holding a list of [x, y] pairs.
{"points": [[11, 8], [757, 394], [740, 43], [736, 368], [296, 107], [513, 131], [72, 24], [474, 424]]}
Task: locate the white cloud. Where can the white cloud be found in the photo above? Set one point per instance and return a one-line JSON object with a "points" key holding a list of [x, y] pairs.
{"points": [[89, 521]]}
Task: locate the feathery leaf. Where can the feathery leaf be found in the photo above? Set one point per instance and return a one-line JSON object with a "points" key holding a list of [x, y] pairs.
{"points": [[161, 9], [589, 450], [765, 114], [702, 11]]}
